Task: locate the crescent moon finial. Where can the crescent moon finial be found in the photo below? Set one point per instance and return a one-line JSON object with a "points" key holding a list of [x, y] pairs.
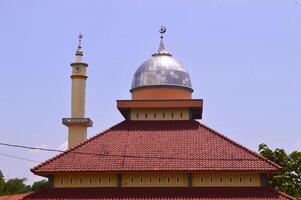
{"points": [[162, 30]]}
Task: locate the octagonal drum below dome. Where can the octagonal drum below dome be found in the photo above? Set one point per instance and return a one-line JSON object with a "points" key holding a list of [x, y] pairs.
{"points": [[161, 70]]}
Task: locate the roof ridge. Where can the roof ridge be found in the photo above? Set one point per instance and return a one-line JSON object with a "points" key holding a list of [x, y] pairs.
{"points": [[240, 146], [75, 147]]}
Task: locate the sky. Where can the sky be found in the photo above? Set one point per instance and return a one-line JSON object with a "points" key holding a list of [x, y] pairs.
{"points": [[243, 57]]}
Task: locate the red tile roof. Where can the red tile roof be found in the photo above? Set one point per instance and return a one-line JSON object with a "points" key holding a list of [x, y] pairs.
{"points": [[14, 196], [157, 145], [210, 193]]}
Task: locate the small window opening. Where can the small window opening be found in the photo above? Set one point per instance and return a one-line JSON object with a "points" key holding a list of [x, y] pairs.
{"points": [[171, 115], [221, 179], [240, 179], [62, 180], [211, 180], [202, 180], [81, 180], [159, 180], [178, 180], [145, 115], [109, 180], [71, 180], [132, 180], [155, 115], [90, 180], [137, 115], [99, 180], [163, 115], [250, 179], [141, 180], [230, 180], [181, 115], [168, 180], [150, 180]]}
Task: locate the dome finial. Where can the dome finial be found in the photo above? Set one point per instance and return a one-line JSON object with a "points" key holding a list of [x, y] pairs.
{"points": [[161, 49]]}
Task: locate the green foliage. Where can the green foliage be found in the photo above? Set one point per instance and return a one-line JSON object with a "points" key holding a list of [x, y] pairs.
{"points": [[289, 179], [17, 185], [39, 185], [2, 183]]}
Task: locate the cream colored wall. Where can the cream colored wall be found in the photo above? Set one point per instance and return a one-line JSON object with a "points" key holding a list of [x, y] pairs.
{"points": [[105, 178], [154, 180], [76, 135], [175, 180], [142, 112], [216, 182]]}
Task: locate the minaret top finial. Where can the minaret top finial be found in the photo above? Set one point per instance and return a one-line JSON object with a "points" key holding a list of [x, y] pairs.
{"points": [[79, 51], [79, 46], [161, 50]]}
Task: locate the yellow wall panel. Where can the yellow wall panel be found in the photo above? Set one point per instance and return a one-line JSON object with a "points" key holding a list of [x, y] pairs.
{"points": [[83, 180], [160, 114]]}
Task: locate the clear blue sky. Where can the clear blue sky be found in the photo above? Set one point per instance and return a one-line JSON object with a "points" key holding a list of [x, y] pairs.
{"points": [[244, 59]]}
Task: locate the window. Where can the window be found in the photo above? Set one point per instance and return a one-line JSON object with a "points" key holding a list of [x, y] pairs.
{"points": [[137, 115], [62, 180], [145, 115], [155, 115], [109, 180], [171, 115], [163, 115], [240, 179], [202, 180], [250, 179], [181, 115], [150, 180], [168, 180], [132, 180], [159, 180], [141, 180], [178, 180], [99, 180], [211, 180], [71, 180], [221, 179], [90, 180], [81, 180], [230, 180]]}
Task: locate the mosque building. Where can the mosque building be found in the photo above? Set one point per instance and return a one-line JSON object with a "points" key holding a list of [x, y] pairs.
{"points": [[161, 150]]}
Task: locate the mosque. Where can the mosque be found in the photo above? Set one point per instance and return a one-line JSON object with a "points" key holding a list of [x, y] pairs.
{"points": [[161, 150]]}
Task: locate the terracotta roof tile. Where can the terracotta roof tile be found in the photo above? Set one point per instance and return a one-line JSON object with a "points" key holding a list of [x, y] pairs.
{"points": [[212, 193], [157, 145], [14, 196]]}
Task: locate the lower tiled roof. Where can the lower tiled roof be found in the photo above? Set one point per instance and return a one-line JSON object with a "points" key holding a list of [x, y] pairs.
{"points": [[210, 193], [14, 196], [157, 146]]}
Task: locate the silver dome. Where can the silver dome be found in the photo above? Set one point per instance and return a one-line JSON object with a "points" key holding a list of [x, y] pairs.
{"points": [[161, 69]]}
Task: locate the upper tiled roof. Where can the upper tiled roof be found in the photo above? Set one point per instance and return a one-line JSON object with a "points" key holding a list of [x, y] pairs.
{"points": [[210, 193], [157, 145]]}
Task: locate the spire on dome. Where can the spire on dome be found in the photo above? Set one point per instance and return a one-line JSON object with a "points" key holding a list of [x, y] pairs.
{"points": [[161, 50]]}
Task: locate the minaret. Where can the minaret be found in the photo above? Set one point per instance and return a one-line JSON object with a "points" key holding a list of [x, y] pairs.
{"points": [[78, 124]]}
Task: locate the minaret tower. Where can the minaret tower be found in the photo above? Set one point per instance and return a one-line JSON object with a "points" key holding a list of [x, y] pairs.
{"points": [[78, 124]]}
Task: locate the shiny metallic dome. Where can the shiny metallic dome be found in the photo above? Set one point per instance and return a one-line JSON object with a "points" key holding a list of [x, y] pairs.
{"points": [[161, 70]]}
